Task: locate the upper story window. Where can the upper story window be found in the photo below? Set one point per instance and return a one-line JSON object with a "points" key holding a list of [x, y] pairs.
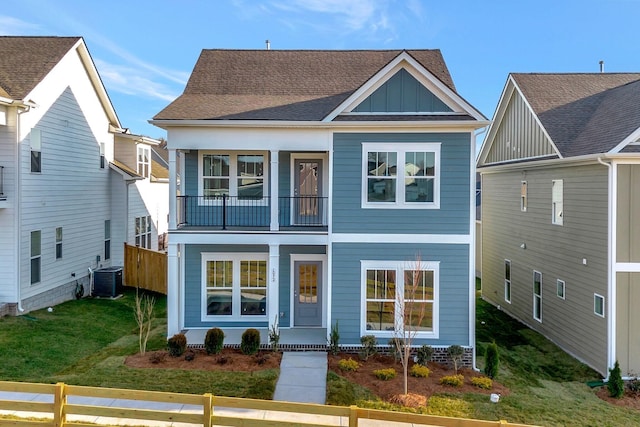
{"points": [[241, 175], [523, 196], [507, 280], [537, 296], [557, 202], [144, 161], [102, 151], [107, 239], [143, 231], [58, 242], [401, 175], [35, 140]]}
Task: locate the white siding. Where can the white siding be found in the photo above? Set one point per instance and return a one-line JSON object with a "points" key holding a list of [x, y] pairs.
{"points": [[72, 191]]}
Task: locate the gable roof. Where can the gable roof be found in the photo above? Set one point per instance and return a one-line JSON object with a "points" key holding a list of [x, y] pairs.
{"points": [[297, 85], [27, 60]]}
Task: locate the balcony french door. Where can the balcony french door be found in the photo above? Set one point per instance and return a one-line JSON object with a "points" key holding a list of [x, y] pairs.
{"points": [[307, 204]]}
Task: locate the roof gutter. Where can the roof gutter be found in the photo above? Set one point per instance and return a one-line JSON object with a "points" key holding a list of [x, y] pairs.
{"points": [[468, 124]]}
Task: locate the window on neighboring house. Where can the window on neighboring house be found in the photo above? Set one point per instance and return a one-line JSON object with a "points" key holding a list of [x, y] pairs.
{"points": [[36, 150], [556, 201], [107, 239], [401, 175], [507, 280], [143, 231], [523, 196], [102, 151], [36, 256], [234, 285], [598, 305], [537, 296], [239, 175], [560, 288], [391, 287], [144, 161], [58, 242]]}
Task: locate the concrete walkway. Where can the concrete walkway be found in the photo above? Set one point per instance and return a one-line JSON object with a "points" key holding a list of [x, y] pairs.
{"points": [[303, 377]]}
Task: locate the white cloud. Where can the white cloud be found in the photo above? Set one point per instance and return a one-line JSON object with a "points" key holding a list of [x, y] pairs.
{"points": [[10, 26], [132, 81]]}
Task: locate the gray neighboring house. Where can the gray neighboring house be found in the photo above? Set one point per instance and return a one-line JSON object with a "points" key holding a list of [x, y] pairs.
{"points": [[560, 174]]}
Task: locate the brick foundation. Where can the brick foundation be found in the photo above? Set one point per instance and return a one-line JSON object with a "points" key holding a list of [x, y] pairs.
{"points": [[49, 298]]}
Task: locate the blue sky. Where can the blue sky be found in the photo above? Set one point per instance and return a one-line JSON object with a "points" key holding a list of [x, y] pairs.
{"points": [[145, 50]]}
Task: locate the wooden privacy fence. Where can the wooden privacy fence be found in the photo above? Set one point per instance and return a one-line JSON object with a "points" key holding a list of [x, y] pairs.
{"points": [[63, 405], [145, 269]]}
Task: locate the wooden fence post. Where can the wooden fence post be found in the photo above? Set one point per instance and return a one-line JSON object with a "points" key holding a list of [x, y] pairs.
{"points": [[207, 406], [59, 401], [353, 416]]}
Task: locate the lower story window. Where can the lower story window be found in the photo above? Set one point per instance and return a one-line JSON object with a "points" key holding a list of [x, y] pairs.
{"points": [[598, 305], [234, 284], [400, 297], [143, 232]]}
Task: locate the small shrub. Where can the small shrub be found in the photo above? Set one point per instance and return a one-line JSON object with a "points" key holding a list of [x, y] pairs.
{"points": [[222, 360], [274, 335], [349, 365], [423, 355], [250, 342], [385, 374], [453, 380], [334, 339], [396, 345], [482, 382], [369, 344], [615, 385], [177, 345], [214, 341], [456, 353], [491, 360], [633, 387], [157, 357], [189, 355], [419, 371], [261, 359]]}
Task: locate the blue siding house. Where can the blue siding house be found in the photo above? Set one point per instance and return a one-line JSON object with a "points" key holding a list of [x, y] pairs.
{"points": [[309, 187]]}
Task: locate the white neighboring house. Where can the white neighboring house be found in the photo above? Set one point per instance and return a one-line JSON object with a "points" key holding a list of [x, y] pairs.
{"points": [[57, 131], [140, 194]]}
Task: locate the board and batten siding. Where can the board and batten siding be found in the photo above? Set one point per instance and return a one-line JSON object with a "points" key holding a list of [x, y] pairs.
{"points": [[346, 297], [628, 223], [71, 192], [8, 243], [627, 321], [452, 217], [519, 135], [555, 251]]}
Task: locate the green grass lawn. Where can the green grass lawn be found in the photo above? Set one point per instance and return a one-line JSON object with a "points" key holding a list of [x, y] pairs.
{"points": [[85, 343]]}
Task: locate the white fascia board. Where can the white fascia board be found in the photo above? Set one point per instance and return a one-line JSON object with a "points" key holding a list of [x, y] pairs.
{"points": [[507, 93], [455, 125], [633, 137], [247, 238], [137, 138], [628, 158]]}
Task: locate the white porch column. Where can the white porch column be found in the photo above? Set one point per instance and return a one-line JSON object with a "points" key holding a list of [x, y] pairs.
{"points": [[173, 189], [273, 288], [173, 290], [273, 188]]}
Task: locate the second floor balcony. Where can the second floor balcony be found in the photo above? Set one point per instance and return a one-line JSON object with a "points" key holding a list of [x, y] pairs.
{"points": [[224, 212]]}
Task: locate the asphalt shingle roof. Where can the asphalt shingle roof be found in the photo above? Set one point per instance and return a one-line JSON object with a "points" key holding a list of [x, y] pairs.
{"points": [[25, 61], [283, 84], [584, 113]]}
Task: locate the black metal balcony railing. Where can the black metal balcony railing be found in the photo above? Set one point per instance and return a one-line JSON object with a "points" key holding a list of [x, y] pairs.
{"points": [[250, 212], [2, 196]]}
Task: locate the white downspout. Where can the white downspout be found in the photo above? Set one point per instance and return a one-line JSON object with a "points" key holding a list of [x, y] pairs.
{"points": [[611, 327], [18, 204]]}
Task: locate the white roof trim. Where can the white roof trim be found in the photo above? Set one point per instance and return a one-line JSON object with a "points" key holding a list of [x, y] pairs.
{"points": [[510, 87], [632, 139], [404, 60]]}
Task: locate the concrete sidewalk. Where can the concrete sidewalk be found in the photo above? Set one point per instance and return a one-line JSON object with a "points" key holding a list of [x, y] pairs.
{"points": [[303, 377]]}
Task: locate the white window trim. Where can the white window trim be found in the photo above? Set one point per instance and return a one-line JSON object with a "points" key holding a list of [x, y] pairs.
{"points": [[595, 298], [400, 267], [536, 296], [507, 282], [58, 243], [235, 258], [400, 149], [35, 142], [32, 257], [107, 238], [564, 288], [233, 177], [143, 168], [524, 195], [144, 234], [557, 203]]}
